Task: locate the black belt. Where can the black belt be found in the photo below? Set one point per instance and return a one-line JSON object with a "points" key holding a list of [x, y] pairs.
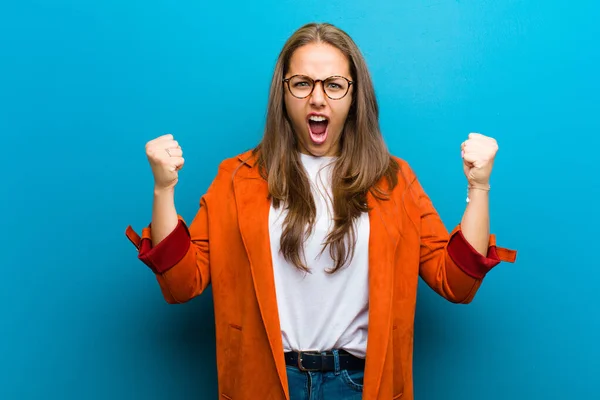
{"points": [[314, 361]]}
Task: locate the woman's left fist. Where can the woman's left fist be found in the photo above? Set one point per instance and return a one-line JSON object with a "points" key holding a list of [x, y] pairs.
{"points": [[478, 153]]}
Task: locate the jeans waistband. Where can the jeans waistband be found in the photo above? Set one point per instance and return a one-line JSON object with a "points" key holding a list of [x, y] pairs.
{"points": [[334, 360]]}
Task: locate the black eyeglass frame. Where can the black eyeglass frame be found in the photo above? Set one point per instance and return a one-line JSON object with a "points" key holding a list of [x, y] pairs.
{"points": [[314, 84]]}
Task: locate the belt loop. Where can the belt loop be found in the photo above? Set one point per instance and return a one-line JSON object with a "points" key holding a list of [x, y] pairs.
{"points": [[336, 361]]}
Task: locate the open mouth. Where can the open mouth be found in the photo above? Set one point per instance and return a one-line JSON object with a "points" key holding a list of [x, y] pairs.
{"points": [[317, 127]]}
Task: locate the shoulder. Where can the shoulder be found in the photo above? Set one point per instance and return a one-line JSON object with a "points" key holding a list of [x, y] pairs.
{"points": [[241, 165], [233, 163], [408, 182], [406, 175], [222, 185], [402, 163]]}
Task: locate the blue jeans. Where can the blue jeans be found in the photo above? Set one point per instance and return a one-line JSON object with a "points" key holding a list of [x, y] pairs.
{"points": [[340, 384]]}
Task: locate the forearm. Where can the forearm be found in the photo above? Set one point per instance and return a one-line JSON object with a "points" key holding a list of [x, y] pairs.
{"points": [[475, 224], [164, 214]]}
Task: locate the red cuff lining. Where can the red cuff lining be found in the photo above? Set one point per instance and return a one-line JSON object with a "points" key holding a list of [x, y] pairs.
{"points": [[469, 260], [168, 252]]}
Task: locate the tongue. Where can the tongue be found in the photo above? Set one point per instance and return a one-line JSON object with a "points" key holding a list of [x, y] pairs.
{"points": [[318, 128]]}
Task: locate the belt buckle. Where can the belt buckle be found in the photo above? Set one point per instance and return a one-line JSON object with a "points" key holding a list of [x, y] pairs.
{"points": [[302, 368]]}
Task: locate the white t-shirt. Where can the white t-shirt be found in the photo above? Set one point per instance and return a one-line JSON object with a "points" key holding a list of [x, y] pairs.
{"points": [[320, 311]]}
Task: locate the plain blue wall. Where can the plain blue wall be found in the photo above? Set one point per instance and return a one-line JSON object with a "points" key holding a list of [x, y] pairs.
{"points": [[83, 86]]}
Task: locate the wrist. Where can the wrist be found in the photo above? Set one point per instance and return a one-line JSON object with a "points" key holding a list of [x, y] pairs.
{"points": [[475, 191], [479, 186], [162, 192]]}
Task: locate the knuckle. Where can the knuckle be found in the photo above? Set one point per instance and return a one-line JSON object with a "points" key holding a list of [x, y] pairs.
{"points": [[154, 151]]}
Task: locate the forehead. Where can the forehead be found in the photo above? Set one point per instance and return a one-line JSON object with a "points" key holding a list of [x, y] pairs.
{"points": [[319, 60]]}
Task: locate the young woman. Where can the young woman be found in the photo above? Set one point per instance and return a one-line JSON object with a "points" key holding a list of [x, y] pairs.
{"points": [[314, 241]]}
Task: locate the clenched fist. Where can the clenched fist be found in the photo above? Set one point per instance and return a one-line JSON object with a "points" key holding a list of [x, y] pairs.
{"points": [[478, 153], [166, 159]]}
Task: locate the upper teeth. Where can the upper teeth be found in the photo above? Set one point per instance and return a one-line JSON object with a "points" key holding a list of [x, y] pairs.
{"points": [[317, 118]]}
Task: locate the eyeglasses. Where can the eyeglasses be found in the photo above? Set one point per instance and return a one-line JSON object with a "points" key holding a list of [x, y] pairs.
{"points": [[302, 86]]}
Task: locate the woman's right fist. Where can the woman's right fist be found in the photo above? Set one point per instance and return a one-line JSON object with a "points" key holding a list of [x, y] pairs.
{"points": [[166, 159]]}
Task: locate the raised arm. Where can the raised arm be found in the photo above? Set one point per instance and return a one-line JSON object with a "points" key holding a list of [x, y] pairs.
{"points": [[177, 255], [454, 264]]}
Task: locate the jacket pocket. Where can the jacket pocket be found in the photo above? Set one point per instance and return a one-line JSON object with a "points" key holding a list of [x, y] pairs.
{"points": [[398, 364], [232, 361]]}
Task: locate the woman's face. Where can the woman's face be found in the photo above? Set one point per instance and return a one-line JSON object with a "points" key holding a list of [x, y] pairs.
{"points": [[317, 120]]}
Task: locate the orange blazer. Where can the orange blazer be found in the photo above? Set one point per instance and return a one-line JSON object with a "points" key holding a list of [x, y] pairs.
{"points": [[227, 245]]}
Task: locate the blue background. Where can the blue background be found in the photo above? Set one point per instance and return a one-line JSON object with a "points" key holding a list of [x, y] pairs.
{"points": [[84, 85]]}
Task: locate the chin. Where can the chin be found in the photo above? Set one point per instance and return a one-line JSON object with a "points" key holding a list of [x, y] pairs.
{"points": [[317, 151]]}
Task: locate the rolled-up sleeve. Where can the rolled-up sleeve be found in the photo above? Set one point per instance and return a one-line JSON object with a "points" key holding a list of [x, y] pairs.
{"points": [[180, 261], [166, 254]]}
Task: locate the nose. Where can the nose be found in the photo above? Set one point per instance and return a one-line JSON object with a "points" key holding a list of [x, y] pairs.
{"points": [[317, 97]]}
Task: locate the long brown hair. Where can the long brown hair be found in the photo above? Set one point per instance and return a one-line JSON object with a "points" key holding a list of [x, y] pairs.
{"points": [[363, 160]]}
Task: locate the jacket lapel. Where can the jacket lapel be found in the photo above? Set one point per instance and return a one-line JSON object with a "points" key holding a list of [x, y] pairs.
{"points": [[383, 239], [251, 196]]}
